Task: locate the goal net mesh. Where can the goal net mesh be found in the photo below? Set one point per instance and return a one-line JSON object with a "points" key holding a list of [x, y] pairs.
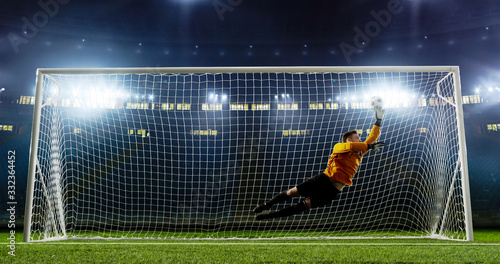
{"points": [[189, 155]]}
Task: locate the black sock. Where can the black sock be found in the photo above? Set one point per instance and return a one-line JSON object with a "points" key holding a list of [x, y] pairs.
{"points": [[287, 211], [280, 197]]}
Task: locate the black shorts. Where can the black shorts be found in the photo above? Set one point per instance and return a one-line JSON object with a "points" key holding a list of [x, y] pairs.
{"points": [[319, 189]]}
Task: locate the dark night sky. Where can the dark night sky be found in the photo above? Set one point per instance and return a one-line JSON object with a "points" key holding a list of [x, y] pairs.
{"points": [[78, 33]]}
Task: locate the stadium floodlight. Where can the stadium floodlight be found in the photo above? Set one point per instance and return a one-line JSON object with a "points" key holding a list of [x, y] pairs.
{"points": [[175, 169]]}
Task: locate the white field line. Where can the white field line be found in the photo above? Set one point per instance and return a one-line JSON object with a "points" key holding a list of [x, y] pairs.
{"points": [[458, 244]]}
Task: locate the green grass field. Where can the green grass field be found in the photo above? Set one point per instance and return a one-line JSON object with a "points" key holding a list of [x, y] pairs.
{"points": [[485, 249]]}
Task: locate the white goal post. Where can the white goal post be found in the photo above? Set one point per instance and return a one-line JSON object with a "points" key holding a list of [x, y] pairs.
{"points": [[187, 153]]}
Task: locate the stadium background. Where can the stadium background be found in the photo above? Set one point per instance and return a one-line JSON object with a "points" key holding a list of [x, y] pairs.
{"points": [[194, 33]]}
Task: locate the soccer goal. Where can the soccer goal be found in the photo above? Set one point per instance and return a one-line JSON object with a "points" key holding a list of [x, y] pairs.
{"points": [[187, 153]]}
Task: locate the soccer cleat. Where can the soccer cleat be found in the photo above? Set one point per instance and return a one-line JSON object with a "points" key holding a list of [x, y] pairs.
{"points": [[261, 208], [280, 197]]}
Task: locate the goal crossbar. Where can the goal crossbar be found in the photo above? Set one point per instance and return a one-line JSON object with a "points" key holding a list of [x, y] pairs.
{"points": [[277, 69]]}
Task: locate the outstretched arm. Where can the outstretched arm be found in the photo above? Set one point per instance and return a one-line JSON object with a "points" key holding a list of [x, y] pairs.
{"points": [[375, 133], [379, 114], [350, 147], [357, 146]]}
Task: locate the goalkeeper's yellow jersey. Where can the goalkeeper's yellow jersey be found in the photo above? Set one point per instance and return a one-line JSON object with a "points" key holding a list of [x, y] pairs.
{"points": [[346, 157]]}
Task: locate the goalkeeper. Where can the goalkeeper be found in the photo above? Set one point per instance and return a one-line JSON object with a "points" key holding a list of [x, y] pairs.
{"points": [[324, 187]]}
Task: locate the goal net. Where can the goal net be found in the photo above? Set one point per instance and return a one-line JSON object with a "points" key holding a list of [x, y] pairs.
{"points": [[187, 153]]}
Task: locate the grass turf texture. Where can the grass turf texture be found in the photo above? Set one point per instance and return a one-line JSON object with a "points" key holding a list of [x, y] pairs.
{"points": [[485, 249]]}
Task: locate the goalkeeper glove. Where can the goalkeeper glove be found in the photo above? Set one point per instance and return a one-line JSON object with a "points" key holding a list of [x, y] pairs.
{"points": [[376, 146], [379, 113]]}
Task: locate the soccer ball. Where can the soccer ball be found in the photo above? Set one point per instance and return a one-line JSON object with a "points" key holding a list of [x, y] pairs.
{"points": [[377, 101]]}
